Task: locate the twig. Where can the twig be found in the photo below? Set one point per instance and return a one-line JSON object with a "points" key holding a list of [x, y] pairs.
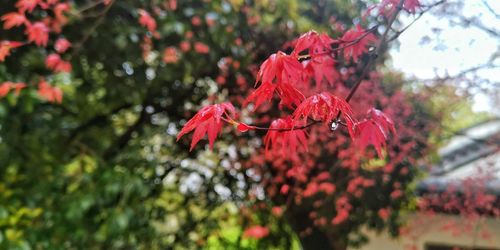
{"points": [[87, 35]]}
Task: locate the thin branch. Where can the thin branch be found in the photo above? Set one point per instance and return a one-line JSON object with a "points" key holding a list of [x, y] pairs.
{"points": [[429, 7], [490, 9], [383, 40], [88, 7], [346, 45], [92, 29]]}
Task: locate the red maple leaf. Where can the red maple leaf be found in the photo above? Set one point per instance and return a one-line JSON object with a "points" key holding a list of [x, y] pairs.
{"points": [[325, 107], [356, 41], [411, 5], [290, 96], [287, 141], [147, 21], [62, 45], [27, 5], [316, 44], [201, 48], [13, 19], [49, 93], [5, 88], [6, 46], [207, 121], [55, 63], [280, 67], [322, 67], [38, 33], [262, 94], [256, 232], [374, 130]]}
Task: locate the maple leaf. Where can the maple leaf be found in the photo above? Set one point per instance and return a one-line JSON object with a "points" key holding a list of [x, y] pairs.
{"points": [[147, 21], [288, 141], [49, 93], [201, 48], [59, 11], [290, 96], [6, 46], [55, 63], [281, 67], [6, 87], [38, 33], [61, 45], [27, 5], [13, 19], [207, 121], [357, 41], [262, 94], [256, 232], [325, 107], [322, 67], [411, 5], [317, 44], [170, 55], [374, 130], [17, 86]]}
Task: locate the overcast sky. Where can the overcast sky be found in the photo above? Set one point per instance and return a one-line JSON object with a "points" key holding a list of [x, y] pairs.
{"points": [[457, 48]]}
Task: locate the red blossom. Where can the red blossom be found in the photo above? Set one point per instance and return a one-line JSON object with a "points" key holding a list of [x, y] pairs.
{"points": [[207, 121], [13, 19], [38, 33]]}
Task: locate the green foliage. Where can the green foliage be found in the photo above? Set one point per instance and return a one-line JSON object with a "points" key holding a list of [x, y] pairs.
{"points": [[102, 170]]}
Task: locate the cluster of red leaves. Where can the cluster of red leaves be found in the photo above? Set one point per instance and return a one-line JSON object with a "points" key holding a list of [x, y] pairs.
{"points": [[256, 232], [208, 121], [6, 46], [374, 130], [49, 93], [468, 197], [37, 32], [288, 141], [6, 87], [284, 74], [171, 53]]}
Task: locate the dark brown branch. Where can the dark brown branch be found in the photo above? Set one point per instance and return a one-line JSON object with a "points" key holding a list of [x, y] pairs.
{"points": [[122, 141], [96, 120]]}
